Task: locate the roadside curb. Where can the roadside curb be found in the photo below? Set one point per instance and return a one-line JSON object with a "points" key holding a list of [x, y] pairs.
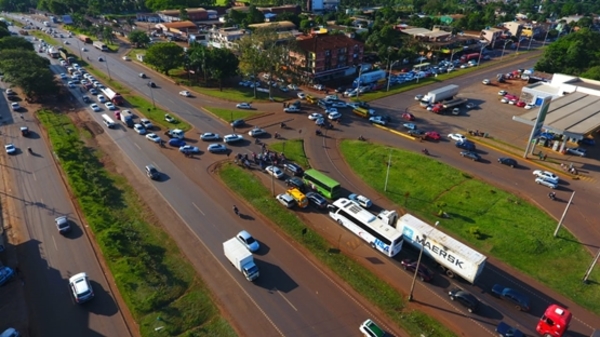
{"points": [[394, 131]]}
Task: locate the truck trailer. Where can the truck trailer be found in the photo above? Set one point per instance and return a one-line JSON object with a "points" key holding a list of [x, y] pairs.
{"points": [[241, 258], [454, 257], [100, 45], [84, 38], [370, 77], [114, 97], [439, 95]]}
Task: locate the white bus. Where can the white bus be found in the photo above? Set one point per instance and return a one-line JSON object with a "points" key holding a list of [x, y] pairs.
{"points": [[367, 226], [108, 121]]}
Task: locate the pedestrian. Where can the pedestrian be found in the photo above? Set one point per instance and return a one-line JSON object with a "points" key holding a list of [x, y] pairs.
{"points": [[545, 156], [284, 105], [540, 155], [228, 153]]}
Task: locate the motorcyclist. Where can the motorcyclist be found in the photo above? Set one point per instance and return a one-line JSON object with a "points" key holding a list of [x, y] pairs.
{"points": [[318, 132], [361, 137], [425, 151], [30, 150], [552, 195], [282, 125], [236, 210]]}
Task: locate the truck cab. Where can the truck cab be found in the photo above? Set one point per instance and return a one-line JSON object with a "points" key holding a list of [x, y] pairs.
{"points": [[554, 322]]}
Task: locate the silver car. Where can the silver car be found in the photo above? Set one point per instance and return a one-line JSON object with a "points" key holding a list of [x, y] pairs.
{"points": [[544, 182]]}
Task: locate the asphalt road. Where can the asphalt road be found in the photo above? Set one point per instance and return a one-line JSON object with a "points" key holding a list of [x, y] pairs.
{"points": [[50, 257], [294, 296]]}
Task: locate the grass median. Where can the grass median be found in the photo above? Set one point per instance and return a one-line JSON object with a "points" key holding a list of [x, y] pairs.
{"points": [[361, 279], [494, 221], [230, 115], [160, 287], [293, 151]]}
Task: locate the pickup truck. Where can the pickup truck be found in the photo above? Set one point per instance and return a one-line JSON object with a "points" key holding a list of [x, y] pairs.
{"points": [[520, 301]]}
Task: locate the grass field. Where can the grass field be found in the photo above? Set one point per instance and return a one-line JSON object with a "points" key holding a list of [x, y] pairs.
{"points": [[293, 150], [154, 278], [232, 114], [156, 114], [239, 95], [361, 279], [494, 221]]}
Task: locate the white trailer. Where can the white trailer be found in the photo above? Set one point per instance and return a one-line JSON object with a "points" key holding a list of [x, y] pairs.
{"points": [[241, 258], [439, 95], [452, 255]]}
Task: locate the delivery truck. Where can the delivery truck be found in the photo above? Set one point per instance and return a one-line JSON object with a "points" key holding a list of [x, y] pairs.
{"points": [[439, 95], [241, 258], [100, 45], [370, 77], [454, 257]]}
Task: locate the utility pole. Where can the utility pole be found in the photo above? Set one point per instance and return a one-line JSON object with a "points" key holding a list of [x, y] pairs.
{"points": [[412, 286], [564, 214], [589, 271], [387, 174]]}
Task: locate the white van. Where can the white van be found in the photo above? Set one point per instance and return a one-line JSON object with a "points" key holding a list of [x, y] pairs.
{"points": [[108, 121]]}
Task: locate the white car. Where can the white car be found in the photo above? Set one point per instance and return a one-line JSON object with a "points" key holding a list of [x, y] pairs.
{"points": [[544, 182], [210, 136], [275, 171], [457, 137], [189, 149], [185, 93], [529, 106], [63, 76], [15, 106], [147, 123], [140, 129], [126, 58], [314, 116], [101, 98], [244, 106], [247, 240], [502, 93], [71, 84], [216, 148], [232, 138], [292, 109], [331, 110], [83, 49], [486, 81], [256, 132], [332, 97], [339, 104], [10, 148], [334, 115], [301, 95], [418, 97], [95, 107], [110, 106], [378, 120], [549, 176], [153, 137], [81, 289]]}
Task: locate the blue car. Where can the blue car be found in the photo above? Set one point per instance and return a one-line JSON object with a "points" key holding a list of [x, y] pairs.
{"points": [[6, 273], [466, 145], [176, 142]]}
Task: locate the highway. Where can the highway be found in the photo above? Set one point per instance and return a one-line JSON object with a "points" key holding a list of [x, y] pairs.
{"points": [[325, 159], [292, 297]]}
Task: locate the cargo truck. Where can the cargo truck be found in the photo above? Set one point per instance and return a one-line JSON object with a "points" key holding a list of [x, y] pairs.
{"points": [[100, 45], [454, 257], [126, 119], [554, 322], [241, 258], [84, 38], [370, 77], [114, 97], [439, 95]]}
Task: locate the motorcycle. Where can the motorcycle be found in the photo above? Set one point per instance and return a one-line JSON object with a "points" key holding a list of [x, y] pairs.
{"points": [[361, 138], [318, 132], [425, 152], [30, 150], [552, 196]]}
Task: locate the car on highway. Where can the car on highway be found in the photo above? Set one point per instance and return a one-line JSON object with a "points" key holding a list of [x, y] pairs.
{"points": [[216, 148], [378, 120], [24, 132], [95, 107], [547, 183], [139, 128], [63, 76], [334, 115], [176, 142], [433, 135], [417, 133], [486, 81], [410, 126], [93, 91], [248, 241], [293, 169], [101, 98], [507, 161], [110, 106], [292, 109], [256, 132], [152, 84], [243, 106], [189, 149], [62, 224], [153, 137], [370, 329], [71, 84], [185, 93], [237, 122], [296, 183], [147, 123], [520, 301], [408, 116], [274, 171], [465, 145], [126, 58], [466, 299], [424, 273], [361, 200], [578, 151], [470, 155], [418, 97], [10, 148], [301, 95], [505, 330], [546, 175], [314, 116], [339, 104], [81, 289], [86, 99], [6, 273], [15, 106], [318, 200], [232, 138], [209, 136]]}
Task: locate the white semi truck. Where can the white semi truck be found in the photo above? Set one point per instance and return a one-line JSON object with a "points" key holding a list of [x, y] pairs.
{"points": [[241, 258], [438, 95], [454, 257]]}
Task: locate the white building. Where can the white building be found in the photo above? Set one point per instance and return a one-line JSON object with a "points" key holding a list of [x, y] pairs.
{"points": [[224, 37]]}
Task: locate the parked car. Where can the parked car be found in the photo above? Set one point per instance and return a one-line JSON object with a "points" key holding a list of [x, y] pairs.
{"points": [[471, 155], [216, 148], [243, 106], [169, 119], [408, 116], [139, 128], [10, 148], [314, 116], [189, 149], [15, 106], [209, 136], [361, 200], [486, 81], [520, 301], [424, 273], [286, 200], [466, 299], [238, 122], [176, 142], [248, 241], [578, 151], [317, 199], [507, 161]]}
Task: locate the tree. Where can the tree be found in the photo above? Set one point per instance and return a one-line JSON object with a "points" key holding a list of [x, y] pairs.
{"points": [[164, 56], [29, 71], [573, 54], [15, 42], [222, 64], [139, 38], [183, 14], [107, 33]]}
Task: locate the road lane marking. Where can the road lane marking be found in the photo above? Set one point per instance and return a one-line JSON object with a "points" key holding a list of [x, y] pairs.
{"points": [[288, 301], [34, 177], [137, 146], [198, 208], [53, 240]]}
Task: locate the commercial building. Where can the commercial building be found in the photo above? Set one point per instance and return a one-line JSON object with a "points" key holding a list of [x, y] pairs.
{"points": [[327, 56], [491, 35], [193, 14], [514, 28], [224, 37], [183, 28]]}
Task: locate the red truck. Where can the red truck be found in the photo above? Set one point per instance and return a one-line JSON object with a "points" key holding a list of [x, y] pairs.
{"points": [[554, 322], [469, 57], [84, 38]]}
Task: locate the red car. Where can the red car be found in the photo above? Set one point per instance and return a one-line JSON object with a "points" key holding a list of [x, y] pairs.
{"points": [[432, 135], [521, 104], [408, 116]]}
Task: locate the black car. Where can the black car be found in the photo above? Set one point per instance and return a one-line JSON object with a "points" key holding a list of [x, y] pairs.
{"points": [[152, 84], [340, 89], [464, 298], [152, 172], [465, 144], [237, 122], [508, 161], [317, 199], [471, 155], [293, 169], [86, 99], [295, 182]]}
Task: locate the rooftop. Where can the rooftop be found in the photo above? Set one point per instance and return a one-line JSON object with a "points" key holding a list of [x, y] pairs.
{"points": [[318, 43], [278, 25], [179, 24]]}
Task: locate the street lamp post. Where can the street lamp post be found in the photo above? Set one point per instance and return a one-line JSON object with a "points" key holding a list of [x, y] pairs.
{"points": [[389, 74], [504, 48], [151, 95], [358, 84], [452, 55], [546, 37], [530, 40], [412, 286], [481, 53], [107, 68]]}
